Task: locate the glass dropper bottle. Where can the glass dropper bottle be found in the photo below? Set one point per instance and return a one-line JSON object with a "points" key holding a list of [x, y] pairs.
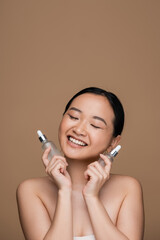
{"points": [[111, 155], [46, 143]]}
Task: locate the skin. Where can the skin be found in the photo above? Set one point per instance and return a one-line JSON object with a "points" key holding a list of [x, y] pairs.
{"points": [[79, 197]]}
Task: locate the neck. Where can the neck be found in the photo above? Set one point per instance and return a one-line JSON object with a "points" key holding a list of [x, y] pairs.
{"points": [[76, 169]]}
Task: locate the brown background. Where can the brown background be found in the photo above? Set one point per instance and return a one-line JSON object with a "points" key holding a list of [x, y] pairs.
{"points": [[50, 50]]}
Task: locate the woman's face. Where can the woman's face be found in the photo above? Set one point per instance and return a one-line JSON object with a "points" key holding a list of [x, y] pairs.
{"points": [[86, 129]]}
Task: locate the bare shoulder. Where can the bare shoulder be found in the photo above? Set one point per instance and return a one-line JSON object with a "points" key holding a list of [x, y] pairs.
{"points": [[130, 214], [125, 185], [36, 186], [121, 186], [38, 194], [36, 200], [126, 182]]}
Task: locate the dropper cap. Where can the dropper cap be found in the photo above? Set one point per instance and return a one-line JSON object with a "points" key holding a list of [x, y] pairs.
{"points": [[115, 151], [42, 137]]}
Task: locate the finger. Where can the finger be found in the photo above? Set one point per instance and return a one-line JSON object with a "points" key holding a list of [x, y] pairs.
{"points": [[107, 161], [88, 174], [91, 174], [66, 174], [59, 165], [96, 172], [58, 157], [45, 153], [45, 157], [99, 168], [53, 171], [55, 159], [54, 162], [101, 176]]}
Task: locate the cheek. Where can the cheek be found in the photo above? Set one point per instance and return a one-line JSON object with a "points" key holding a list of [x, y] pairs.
{"points": [[63, 127], [102, 140], [60, 130]]}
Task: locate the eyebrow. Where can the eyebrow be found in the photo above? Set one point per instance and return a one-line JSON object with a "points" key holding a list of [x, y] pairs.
{"points": [[101, 119], [75, 109], [94, 117]]}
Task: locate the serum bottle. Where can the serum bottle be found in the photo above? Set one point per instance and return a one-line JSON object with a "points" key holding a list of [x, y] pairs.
{"points": [[46, 143], [110, 155]]}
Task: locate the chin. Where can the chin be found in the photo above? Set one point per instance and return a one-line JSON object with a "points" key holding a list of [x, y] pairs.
{"points": [[81, 157]]}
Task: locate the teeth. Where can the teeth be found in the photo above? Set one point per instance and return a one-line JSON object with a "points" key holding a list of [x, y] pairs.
{"points": [[76, 141]]}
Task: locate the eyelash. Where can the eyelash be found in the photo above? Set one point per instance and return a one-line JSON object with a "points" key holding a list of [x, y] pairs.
{"points": [[75, 118], [95, 126]]}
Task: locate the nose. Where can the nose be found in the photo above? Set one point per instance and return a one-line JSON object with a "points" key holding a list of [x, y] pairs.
{"points": [[80, 129]]}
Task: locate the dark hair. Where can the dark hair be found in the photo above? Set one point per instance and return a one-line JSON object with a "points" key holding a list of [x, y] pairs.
{"points": [[114, 102]]}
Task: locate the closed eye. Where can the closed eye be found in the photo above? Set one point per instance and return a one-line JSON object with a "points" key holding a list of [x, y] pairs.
{"points": [[94, 126], [72, 117]]}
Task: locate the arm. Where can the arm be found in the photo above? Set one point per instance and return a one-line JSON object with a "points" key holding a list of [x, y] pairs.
{"points": [[131, 216], [62, 222], [129, 224], [35, 220]]}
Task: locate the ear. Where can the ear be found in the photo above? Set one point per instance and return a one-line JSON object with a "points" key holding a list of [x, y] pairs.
{"points": [[114, 143]]}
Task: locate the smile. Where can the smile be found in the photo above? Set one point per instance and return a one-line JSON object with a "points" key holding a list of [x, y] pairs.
{"points": [[77, 142]]}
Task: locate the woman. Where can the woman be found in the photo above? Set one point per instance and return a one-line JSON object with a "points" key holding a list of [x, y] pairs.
{"points": [[80, 199]]}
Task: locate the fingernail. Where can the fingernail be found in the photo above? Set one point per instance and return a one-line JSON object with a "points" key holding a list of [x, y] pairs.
{"points": [[101, 155]]}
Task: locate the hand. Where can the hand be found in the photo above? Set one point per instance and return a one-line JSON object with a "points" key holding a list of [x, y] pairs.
{"points": [[56, 169], [96, 176]]}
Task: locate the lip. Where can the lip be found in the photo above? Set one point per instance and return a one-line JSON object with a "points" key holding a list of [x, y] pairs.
{"points": [[74, 144]]}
